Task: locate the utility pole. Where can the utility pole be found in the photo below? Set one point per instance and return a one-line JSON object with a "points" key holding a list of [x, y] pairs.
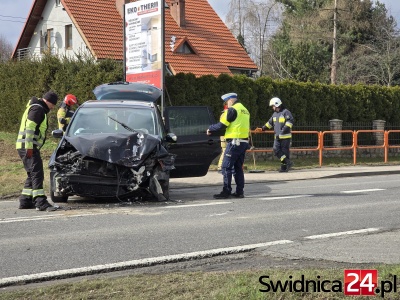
{"points": [[334, 48], [240, 20]]}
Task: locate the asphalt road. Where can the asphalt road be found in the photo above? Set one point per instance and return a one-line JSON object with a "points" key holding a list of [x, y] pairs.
{"points": [[341, 219]]}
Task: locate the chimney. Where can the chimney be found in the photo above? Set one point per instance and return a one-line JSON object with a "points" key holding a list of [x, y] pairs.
{"points": [[178, 12]]}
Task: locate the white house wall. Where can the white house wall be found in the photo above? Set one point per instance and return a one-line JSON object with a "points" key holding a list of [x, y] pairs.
{"points": [[56, 18]]}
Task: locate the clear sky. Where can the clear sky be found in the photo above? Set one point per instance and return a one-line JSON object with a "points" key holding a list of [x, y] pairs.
{"points": [[13, 14]]}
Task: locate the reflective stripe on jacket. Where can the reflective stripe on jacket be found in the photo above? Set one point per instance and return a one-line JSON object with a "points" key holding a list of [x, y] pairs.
{"points": [[31, 133], [239, 128], [282, 122]]}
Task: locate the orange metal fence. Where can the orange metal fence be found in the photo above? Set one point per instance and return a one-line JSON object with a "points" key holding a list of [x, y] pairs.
{"points": [[321, 148]]}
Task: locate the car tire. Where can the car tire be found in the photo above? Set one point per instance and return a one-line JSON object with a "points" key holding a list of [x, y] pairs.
{"points": [[54, 198], [163, 181], [58, 199], [165, 187]]}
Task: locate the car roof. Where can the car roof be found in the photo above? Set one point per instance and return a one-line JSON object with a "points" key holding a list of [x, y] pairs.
{"points": [[127, 91]]}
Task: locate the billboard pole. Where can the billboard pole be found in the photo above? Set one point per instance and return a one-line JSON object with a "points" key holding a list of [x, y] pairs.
{"points": [[124, 43], [162, 57]]}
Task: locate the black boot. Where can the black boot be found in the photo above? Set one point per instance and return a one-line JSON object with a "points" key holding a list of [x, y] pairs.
{"points": [[223, 195], [288, 164], [26, 203], [283, 168]]}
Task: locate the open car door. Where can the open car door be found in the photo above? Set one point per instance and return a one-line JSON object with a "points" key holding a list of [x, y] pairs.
{"points": [[195, 150]]}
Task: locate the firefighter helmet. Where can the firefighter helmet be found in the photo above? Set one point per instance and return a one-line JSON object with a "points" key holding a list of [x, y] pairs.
{"points": [[70, 100], [275, 102]]}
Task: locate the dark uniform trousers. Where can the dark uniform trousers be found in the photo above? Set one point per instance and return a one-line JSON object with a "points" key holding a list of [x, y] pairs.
{"points": [[281, 148], [233, 165], [35, 177]]}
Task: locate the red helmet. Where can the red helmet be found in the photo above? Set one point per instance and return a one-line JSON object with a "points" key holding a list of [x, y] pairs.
{"points": [[70, 100]]}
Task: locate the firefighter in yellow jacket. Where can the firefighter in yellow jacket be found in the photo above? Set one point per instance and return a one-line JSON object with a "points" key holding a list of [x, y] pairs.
{"points": [[31, 137], [65, 111]]}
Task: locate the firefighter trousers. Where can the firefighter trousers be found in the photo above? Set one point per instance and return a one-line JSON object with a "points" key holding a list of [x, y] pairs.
{"points": [[282, 149], [33, 194]]}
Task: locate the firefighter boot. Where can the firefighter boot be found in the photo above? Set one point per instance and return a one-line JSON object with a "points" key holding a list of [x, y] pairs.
{"points": [[26, 203], [288, 164]]}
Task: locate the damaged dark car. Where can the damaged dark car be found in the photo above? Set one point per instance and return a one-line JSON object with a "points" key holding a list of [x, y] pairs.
{"points": [[125, 149]]}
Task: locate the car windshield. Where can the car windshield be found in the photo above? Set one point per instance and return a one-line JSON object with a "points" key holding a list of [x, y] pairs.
{"points": [[111, 120]]}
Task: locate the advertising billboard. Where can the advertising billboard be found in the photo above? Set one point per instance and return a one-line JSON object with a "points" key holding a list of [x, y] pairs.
{"points": [[143, 42]]}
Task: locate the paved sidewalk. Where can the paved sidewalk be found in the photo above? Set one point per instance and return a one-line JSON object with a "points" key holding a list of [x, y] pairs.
{"points": [[214, 178]]}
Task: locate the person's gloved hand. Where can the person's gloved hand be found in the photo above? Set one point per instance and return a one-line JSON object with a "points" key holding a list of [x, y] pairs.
{"points": [[29, 153], [63, 121]]}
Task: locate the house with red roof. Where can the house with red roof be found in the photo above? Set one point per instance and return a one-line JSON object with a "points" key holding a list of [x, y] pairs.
{"points": [[196, 40]]}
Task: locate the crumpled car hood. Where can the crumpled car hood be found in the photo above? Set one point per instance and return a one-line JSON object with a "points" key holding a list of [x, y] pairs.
{"points": [[123, 149]]}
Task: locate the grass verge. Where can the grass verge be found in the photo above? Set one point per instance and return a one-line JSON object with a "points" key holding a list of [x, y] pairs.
{"points": [[207, 285], [12, 172]]}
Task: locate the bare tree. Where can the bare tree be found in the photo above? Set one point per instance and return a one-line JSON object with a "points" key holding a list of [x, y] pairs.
{"points": [[375, 62], [5, 49], [254, 21]]}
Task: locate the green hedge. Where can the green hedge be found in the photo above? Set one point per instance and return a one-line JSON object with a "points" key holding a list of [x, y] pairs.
{"points": [[309, 102]]}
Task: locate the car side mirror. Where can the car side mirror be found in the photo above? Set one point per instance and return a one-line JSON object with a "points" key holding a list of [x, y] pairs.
{"points": [[57, 133], [171, 138]]}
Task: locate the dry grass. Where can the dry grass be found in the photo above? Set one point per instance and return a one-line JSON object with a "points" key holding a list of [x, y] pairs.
{"points": [[196, 285], [12, 172]]}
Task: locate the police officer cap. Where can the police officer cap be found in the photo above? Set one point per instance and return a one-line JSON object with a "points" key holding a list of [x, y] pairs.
{"points": [[228, 96]]}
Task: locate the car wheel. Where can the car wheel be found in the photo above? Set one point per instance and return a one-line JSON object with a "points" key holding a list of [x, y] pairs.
{"points": [[165, 187], [58, 199], [160, 180], [55, 199]]}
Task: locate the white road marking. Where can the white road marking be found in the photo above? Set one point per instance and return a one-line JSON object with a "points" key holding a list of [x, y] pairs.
{"points": [[328, 235], [218, 215], [135, 263], [334, 185], [41, 218], [361, 191], [160, 260], [195, 205], [285, 197]]}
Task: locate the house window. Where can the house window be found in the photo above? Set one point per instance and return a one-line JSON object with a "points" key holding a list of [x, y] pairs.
{"points": [[58, 2], [49, 38], [185, 48], [47, 41], [68, 36], [42, 41]]}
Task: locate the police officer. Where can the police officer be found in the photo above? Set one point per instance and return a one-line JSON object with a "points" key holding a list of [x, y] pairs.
{"points": [[282, 122], [31, 137], [223, 142], [236, 123], [65, 111]]}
